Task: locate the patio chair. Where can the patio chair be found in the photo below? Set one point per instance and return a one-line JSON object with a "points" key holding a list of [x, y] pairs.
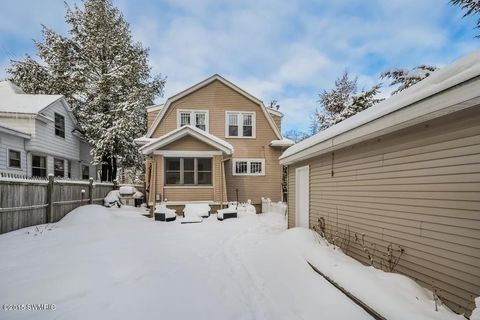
{"points": [[227, 213], [196, 210], [162, 213]]}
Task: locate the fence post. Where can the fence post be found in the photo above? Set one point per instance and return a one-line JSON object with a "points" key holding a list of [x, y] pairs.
{"points": [[90, 191], [49, 213]]}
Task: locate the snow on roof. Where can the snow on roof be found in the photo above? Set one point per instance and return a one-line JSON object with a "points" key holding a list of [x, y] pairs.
{"points": [[274, 112], [155, 107], [284, 142], [183, 131], [15, 132], [456, 73], [13, 99]]}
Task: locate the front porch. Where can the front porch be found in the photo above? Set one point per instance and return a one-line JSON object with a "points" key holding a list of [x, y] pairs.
{"points": [[187, 165]]}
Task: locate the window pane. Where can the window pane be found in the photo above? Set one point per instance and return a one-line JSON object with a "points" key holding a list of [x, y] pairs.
{"points": [[36, 172], [172, 164], [39, 162], [232, 119], [59, 125], [233, 131], [172, 177], [247, 131], [241, 167], [188, 164], [255, 167], [14, 158], [58, 167], [204, 178], [201, 121], [247, 119], [39, 166], [204, 164], [184, 118], [189, 177], [85, 172]]}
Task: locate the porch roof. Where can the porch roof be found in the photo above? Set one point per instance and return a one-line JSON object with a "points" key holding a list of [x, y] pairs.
{"points": [[184, 131]]}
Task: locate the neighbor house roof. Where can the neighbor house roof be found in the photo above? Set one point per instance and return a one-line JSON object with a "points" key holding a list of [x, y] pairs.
{"points": [[181, 132], [202, 84], [457, 84], [14, 132], [13, 99]]}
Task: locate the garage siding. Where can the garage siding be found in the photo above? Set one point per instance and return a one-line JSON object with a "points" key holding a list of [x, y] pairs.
{"points": [[418, 188]]}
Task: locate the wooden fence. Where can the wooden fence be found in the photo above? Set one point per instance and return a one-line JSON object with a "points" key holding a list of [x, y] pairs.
{"points": [[28, 202]]}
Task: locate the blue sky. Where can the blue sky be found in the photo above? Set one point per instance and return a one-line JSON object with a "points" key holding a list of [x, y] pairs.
{"points": [[287, 50]]}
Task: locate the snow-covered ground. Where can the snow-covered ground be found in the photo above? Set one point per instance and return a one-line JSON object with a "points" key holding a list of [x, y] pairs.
{"points": [[112, 263]]}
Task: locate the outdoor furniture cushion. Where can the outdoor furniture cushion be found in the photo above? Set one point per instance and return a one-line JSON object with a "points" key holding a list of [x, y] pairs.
{"points": [[162, 213], [196, 210], [230, 212], [127, 190], [191, 219]]}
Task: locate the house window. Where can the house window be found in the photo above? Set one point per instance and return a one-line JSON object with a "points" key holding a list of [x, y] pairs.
{"points": [[197, 118], [59, 125], [188, 171], [248, 167], [240, 124], [58, 167], [39, 166], [85, 172], [14, 159], [69, 169]]}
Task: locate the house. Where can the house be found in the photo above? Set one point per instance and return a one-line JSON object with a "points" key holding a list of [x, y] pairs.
{"points": [[213, 143], [405, 174], [39, 136]]}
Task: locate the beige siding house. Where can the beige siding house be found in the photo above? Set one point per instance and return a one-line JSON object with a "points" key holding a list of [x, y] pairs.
{"points": [[212, 143], [404, 173]]}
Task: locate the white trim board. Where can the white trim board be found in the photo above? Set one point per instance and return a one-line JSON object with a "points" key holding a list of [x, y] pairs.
{"points": [[203, 83], [186, 153], [178, 133]]}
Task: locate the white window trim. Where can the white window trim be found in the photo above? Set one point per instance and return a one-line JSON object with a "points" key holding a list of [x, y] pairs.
{"points": [[240, 126], [192, 115], [248, 160], [8, 159]]}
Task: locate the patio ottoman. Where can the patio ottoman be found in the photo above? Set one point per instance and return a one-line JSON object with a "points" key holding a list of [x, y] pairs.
{"points": [[162, 213], [227, 213]]}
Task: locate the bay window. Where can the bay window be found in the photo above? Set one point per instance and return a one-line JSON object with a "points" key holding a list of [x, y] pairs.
{"points": [[240, 124], [188, 171]]}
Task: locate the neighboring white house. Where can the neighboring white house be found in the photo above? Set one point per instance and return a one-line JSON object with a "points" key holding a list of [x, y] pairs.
{"points": [[39, 136]]}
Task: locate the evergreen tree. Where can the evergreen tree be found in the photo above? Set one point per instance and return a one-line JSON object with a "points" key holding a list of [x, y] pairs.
{"points": [[405, 78], [342, 102], [471, 8], [104, 76]]}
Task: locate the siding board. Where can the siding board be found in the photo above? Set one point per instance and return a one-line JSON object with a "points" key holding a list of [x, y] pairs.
{"points": [[418, 188]]}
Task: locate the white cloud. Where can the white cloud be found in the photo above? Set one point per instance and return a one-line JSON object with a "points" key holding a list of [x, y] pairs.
{"points": [[288, 51]]}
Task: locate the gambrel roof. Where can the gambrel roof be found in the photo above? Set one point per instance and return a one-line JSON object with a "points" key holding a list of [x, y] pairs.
{"points": [[202, 84]]}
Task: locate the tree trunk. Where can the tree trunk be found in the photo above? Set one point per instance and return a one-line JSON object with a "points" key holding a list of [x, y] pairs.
{"points": [[114, 168], [107, 168]]}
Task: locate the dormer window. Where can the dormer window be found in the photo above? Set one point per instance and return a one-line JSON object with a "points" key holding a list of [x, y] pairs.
{"points": [[240, 124], [197, 118], [59, 125]]}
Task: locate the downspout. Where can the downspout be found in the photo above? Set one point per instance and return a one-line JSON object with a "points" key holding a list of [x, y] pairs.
{"points": [[223, 181]]}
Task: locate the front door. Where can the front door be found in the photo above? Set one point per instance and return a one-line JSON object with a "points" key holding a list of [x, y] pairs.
{"points": [[302, 196]]}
